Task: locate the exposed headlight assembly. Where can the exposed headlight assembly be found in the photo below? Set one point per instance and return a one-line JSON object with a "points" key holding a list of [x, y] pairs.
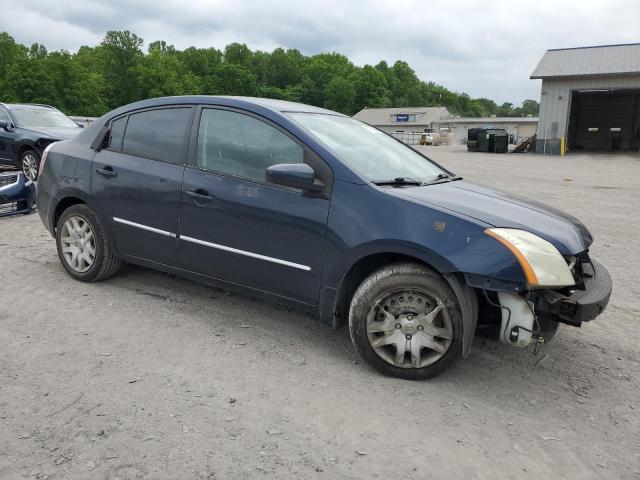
{"points": [[542, 263]]}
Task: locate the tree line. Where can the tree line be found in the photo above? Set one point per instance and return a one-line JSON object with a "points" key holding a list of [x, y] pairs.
{"points": [[96, 79]]}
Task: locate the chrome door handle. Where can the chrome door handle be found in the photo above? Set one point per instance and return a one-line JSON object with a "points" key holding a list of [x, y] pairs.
{"points": [[106, 172], [199, 194]]}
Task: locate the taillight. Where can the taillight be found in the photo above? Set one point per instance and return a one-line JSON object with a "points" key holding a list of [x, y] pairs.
{"points": [[44, 159]]}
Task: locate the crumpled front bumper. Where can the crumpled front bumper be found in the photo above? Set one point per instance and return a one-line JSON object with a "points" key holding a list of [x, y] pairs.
{"points": [[22, 193], [581, 305]]}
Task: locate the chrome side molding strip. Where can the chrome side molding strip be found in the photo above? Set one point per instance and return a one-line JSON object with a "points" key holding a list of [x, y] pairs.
{"points": [[246, 254], [214, 245], [144, 227]]}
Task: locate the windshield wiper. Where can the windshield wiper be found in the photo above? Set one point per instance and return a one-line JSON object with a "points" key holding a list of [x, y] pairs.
{"points": [[401, 181]]}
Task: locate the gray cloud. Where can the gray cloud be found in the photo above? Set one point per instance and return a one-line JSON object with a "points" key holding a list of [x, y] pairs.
{"points": [[485, 49]]}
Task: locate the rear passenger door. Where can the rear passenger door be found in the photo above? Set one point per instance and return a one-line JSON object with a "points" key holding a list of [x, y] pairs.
{"points": [[236, 226], [137, 181]]}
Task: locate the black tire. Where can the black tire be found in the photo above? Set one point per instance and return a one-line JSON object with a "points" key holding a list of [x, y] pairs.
{"points": [[393, 278], [31, 153], [105, 264]]}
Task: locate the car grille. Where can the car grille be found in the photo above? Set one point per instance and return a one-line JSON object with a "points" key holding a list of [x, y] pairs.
{"points": [[8, 180]]}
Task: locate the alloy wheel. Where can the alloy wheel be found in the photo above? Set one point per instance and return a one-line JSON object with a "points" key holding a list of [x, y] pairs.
{"points": [[409, 328], [30, 166], [78, 244]]}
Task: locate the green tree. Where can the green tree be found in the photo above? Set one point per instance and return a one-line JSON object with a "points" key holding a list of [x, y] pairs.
{"points": [[239, 54], [530, 107], [98, 78], [505, 110], [283, 68], [370, 88], [340, 95], [120, 53], [10, 53], [77, 89], [29, 81], [162, 72], [201, 61], [232, 79]]}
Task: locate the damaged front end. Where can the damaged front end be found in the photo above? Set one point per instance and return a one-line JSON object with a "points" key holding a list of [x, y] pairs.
{"points": [[580, 304], [571, 290], [17, 194]]}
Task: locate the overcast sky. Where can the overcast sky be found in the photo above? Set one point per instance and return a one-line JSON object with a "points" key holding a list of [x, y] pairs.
{"points": [[487, 49]]}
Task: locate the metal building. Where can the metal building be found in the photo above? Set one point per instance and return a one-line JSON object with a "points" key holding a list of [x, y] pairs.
{"points": [[406, 123], [590, 99]]}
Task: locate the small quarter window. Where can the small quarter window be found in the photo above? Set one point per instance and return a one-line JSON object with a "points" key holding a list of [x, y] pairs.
{"points": [[116, 134]]}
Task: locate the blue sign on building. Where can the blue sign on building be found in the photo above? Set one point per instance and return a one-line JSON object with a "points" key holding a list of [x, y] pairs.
{"points": [[402, 118]]}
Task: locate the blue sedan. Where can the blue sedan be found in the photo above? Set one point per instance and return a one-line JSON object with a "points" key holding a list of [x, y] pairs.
{"points": [[310, 208]]}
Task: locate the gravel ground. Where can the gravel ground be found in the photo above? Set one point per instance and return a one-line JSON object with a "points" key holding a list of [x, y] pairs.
{"points": [[151, 376]]}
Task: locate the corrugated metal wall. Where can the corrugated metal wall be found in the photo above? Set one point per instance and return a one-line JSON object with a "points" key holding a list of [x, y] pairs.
{"points": [[555, 103]]}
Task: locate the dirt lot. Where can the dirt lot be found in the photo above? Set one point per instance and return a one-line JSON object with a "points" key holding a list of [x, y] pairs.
{"points": [[150, 376]]}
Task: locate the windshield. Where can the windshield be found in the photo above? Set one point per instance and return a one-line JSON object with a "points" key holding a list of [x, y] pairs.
{"points": [[42, 117], [367, 150]]}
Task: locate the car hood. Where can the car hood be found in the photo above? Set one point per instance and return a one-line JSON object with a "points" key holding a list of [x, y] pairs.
{"points": [[500, 209], [56, 133]]}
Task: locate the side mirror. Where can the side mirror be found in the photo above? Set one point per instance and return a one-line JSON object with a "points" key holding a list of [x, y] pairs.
{"points": [[4, 125], [296, 175]]}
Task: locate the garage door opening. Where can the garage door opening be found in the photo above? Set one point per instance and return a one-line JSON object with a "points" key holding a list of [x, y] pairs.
{"points": [[605, 120]]}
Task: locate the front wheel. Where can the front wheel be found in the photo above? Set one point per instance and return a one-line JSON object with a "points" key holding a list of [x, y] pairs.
{"points": [[83, 246], [30, 164], [405, 321]]}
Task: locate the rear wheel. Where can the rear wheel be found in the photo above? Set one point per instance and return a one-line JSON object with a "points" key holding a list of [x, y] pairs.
{"points": [[405, 321], [83, 246], [30, 164]]}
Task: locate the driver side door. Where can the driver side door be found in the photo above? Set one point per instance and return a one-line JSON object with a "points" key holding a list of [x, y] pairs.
{"points": [[237, 227]]}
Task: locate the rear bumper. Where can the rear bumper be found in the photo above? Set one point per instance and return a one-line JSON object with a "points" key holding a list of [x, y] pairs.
{"points": [[582, 305]]}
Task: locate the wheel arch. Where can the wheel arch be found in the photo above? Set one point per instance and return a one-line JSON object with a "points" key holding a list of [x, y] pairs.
{"points": [[62, 205], [27, 145], [368, 259], [63, 199], [367, 264]]}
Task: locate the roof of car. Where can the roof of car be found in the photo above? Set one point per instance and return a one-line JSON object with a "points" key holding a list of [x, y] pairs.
{"points": [[283, 105], [269, 103], [29, 105]]}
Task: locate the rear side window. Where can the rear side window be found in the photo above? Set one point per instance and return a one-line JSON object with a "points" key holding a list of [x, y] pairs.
{"points": [[157, 134], [116, 133], [241, 145]]}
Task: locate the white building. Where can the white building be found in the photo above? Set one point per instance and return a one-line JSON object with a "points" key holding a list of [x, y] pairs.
{"points": [[590, 99], [520, 128], [406, 123]]}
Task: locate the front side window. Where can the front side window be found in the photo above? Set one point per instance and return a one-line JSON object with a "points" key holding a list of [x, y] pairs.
{"points": [[367, 150], [241, 145], [157, 134]]}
